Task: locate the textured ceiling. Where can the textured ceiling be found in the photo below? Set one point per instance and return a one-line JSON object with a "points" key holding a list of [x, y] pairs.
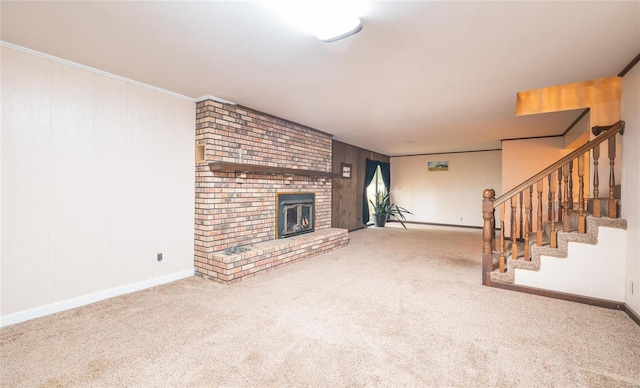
{"points": [[421, 77]]}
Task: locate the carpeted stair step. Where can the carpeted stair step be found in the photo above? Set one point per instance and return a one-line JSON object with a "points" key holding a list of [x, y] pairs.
{"points": [[561, 251], [546, 240], [573, 223], [546, 227], [508, 245], [604, 206]]}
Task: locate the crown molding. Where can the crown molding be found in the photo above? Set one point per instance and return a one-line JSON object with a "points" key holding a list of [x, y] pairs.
{"points": [[92, 70], [214, 98]]}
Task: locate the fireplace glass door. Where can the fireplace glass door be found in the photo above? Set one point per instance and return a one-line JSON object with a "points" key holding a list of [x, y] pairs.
{"points": [[298, 218], [295, 214]]}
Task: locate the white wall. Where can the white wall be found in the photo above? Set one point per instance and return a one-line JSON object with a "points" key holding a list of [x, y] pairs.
{"points": [[631, 182], [451, 197], [521, 159], [97, 177], [578, 135], [595, 271]]}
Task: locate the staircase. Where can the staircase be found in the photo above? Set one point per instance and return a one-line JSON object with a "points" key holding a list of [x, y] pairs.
{"points": [[540, 217]]}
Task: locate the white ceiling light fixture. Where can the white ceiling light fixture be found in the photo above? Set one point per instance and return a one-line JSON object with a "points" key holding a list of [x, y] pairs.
{"points": [[329, 21]]}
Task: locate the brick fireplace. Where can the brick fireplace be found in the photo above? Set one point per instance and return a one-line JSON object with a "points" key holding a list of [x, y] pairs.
{"points": [[248, 160]]}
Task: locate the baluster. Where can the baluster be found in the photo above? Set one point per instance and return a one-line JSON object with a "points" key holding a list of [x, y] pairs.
{"points": [[539, 233], [502, 259], [549, 204], [596, 182], [488, 196], [521, 215], [571, 185], [530, 208], [493, 228], [581, 220], [514, 239], [612, 179], [527, 229], [560, 205], [565, 206], [553, 241]]}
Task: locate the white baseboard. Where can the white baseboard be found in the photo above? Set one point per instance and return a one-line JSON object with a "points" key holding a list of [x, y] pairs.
{"points": [[63, 305]]}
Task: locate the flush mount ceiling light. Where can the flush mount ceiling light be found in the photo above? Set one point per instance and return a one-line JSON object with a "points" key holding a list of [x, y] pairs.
{"points": [[329, 21]]}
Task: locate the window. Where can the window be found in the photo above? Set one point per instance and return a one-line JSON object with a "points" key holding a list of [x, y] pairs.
{"points": [[376, 184]]}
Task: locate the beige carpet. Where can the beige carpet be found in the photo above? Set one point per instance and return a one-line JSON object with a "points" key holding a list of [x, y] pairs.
{"points": [[394, 308]]}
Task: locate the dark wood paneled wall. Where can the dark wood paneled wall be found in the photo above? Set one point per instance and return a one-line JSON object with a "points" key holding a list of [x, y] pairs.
{"points": [[346, 204]]}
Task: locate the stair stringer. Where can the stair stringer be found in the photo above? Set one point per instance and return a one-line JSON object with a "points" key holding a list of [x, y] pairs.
{"points": [[561, 252]]}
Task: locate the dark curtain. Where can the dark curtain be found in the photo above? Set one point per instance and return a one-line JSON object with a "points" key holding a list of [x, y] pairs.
{"points": [[370, 172], [385, 169]]}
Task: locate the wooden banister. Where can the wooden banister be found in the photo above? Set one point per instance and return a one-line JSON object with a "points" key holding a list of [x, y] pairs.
{"points": [[539, 188], [487, 234], [514, 239], [612, 178], [553, 242], [596, 181], [565, 205], [617, 127], [602, 97], [558, 210], [582, 226], [560, 204]]}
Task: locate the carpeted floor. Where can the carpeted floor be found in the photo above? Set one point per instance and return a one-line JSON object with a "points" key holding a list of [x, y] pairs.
{"points": [[394, 308]]}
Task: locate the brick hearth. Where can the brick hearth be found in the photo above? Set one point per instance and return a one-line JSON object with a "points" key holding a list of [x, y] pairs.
{"points": [[270, 255], [239, 209]]}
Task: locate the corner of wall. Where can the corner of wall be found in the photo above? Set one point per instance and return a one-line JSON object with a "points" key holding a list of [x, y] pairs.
{"points": [[578, 135], [630, 182]]}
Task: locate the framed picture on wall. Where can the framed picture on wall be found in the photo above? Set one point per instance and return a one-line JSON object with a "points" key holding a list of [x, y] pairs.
{"points": [[438, 166], [345, 169]]}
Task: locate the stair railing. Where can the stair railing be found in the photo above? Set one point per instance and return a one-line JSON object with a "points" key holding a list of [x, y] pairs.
{"points": [[558, 205]]}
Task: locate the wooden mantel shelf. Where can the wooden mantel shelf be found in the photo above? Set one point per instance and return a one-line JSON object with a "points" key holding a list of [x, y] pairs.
{"points": [[256, 168]]}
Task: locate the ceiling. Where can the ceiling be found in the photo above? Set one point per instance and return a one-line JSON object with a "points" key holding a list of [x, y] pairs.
{"points": [[421, 77]]}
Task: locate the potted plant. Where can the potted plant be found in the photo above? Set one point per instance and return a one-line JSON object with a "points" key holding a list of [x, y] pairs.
{"points": [[383, 209]]}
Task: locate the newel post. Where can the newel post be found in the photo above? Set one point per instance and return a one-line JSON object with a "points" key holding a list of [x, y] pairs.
{"points": [[487, 234]]}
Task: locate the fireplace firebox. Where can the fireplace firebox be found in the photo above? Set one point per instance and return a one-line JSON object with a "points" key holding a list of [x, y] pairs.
{"points": [[295, 214]]}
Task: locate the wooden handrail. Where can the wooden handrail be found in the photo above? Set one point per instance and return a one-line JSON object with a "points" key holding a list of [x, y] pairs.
{"points": [[615, 128]]}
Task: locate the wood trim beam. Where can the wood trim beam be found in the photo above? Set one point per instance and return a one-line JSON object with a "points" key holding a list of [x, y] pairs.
{"points": [[445, 153], [577, 95], [576, 121], [630, 66], [256, 168], [609, 304], [602, 96], [632, 314], [438, 224], [561, 295], [530, 137]]}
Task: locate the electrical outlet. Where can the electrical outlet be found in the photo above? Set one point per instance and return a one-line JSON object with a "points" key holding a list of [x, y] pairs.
{"points": [[159, 256], [461, 218]]}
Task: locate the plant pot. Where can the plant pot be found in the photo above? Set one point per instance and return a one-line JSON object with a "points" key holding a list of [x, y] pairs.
{"points": [[379, 220]]}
